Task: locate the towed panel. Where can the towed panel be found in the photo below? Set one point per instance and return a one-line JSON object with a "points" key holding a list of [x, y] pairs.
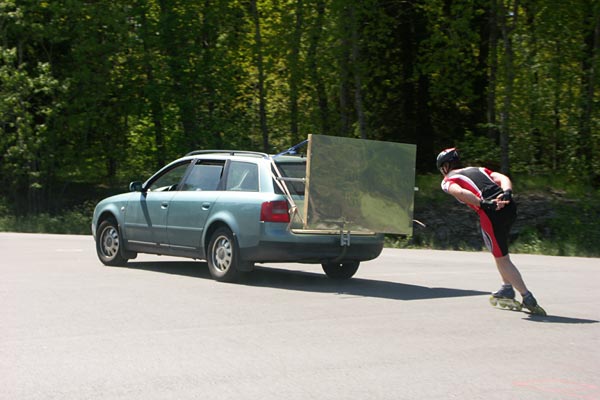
{"points": [[359, 185]]}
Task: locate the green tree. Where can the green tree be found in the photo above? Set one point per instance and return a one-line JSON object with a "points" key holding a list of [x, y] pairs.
{"points": [[29, 97]]}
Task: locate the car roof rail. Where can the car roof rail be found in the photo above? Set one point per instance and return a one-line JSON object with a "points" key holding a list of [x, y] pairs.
{"points": [[230, 152]]}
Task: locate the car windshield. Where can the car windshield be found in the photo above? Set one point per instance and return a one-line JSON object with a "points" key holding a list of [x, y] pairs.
{"points": [[296, 169]]}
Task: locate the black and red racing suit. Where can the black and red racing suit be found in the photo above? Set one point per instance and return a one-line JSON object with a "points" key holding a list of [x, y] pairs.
{"points": [[495, 225]]}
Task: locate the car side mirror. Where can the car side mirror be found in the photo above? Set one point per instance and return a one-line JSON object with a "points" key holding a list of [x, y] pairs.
{"points": [[136, 186]]}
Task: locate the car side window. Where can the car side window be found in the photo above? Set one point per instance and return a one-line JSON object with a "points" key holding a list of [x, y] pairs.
{"points": [[242, 176], [170, 179], [205, 175]]}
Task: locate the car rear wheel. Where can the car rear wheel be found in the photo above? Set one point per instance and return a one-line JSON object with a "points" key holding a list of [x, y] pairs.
{"points": [[345, 270], [223, 256], [108, 243]]}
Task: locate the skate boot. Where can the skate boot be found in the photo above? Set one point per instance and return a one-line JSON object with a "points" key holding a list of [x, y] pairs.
{"points": [[505, 298], [532, 305]]}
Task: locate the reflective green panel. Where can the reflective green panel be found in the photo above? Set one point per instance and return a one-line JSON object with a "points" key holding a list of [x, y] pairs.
{"points": [[356, 184]]}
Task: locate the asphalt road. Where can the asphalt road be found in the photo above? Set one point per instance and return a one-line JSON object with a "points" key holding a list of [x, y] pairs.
{"points": [[412, 324]]}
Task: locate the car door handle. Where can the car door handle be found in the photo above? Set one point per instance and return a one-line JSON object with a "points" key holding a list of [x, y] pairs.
{"points": [[205, 206], [164, 205]]}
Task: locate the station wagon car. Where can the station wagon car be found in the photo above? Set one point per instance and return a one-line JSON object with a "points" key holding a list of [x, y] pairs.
{"points": [[231, 208]]}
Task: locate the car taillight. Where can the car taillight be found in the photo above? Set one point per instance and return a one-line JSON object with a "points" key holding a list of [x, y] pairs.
{"points": [[274, 211]]}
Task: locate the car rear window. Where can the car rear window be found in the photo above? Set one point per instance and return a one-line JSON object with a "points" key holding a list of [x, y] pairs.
{"points": [[292, 170]]}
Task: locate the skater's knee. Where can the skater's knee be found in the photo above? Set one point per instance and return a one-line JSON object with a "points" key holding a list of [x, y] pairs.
{"points": [[503, 261]]}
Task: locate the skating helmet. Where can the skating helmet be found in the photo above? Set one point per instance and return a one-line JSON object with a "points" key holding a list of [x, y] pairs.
{"points": [[447, 156]]}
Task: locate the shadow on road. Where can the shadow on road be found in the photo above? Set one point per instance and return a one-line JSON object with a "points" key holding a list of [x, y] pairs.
{"points": [[555, 319], [194, 269], [310, 282]]}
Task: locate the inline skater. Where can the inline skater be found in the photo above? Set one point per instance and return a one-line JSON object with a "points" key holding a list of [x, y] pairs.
{"points": [[489, 194]]}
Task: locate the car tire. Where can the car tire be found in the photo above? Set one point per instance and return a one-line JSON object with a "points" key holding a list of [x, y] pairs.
{"points": [[344, 270], [108, 244], [223, 256]]}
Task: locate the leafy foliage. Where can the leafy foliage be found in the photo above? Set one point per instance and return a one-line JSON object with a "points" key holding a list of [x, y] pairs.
{"points": [[100, 92]]}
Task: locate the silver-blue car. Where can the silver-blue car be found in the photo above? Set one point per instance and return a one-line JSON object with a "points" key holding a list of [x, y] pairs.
{"points": [[230, 208]]}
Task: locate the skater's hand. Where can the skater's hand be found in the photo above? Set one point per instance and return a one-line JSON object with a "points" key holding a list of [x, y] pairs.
{"points": [[489, 205], [496, 204], [507, 195], [501, 202]]}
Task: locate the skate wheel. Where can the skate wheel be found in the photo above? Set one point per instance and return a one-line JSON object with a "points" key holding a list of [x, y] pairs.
{"points": [[493, 301], [539, 311], [505, 304]]}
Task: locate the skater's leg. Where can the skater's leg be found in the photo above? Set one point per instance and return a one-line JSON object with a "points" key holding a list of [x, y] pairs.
{"points": [[510, 274]]}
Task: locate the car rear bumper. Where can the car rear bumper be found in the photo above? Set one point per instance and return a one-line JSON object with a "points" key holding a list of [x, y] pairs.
{"points": [[313, 248]]}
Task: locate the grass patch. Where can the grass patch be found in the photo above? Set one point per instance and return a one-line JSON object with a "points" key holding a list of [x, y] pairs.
{"points": [[567, 226], [75, 221], [429, 189], [551, 184], [573, 231]]}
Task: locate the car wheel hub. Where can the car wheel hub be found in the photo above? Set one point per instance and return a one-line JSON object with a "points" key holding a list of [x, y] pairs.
{"points": [[222, 254], [110, 242]]}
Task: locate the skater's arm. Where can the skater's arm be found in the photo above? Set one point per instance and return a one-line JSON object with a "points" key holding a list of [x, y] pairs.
{"points": [[505, 183], [463, 195], [502, 180]]}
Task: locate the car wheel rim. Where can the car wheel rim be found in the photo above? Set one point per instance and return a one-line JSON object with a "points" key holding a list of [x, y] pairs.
{"points": [[222, 254], [110, 242]]}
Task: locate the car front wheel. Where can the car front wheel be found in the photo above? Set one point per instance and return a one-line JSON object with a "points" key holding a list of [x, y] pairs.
{"points": [[108, 244], [223, 256], [345, 270]]}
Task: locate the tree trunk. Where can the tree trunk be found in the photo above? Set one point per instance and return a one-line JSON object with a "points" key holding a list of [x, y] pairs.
{"points": [[262, 101], [295, 73], [314, 72], [535, 144], [589, 59], [154, 99], [409, 49], [556, 111], [209, 34], [493, 70], [174, 43], [345, 71], [344, 97], [355, 58], [510, 77]]}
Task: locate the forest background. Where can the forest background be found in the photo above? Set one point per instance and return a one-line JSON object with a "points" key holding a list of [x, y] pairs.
{"points": [[94, 93]]}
